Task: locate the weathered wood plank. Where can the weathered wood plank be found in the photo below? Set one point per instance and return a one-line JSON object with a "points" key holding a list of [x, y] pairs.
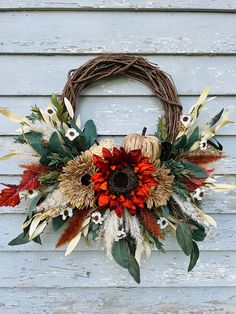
{"points": [[93, 269], [121, 5], [119, 300], [225, 166], [222, 238], [212, 204], [117, 115], [44, 75], [117, 32]]}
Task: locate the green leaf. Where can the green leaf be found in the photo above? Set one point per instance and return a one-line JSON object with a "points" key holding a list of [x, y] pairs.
{"points": [[133, 268], [120, 253], [181, 143], [196, 172], [159, 246], [216, 145], [81, 142], [61, 114], [33, 204], [194, 256], [180, 189], [184, 238], [20, 239], [37, 240], [199, 234], [35, 114], [165, 211], [49, 178], [55, 145], [162, 129], [194, 137], [90, 133], [123, 257], [57, 223], [216, 118], [35, 140]]}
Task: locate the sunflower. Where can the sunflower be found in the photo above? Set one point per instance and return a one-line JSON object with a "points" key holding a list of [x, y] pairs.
{"points": [[160, 194], [123, 180], [75, 181]]}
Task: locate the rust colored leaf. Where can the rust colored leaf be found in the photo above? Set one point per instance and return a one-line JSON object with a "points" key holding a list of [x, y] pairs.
{"points": [[9, 196], [29, 181], [37, 168]]}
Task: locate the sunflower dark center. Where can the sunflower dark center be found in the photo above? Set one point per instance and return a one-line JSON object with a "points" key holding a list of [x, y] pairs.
{"points": [[86, 179], [122, 181]]}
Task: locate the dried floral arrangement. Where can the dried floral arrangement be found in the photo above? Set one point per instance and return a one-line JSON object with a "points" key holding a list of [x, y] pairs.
{"points": [[126, 197]]}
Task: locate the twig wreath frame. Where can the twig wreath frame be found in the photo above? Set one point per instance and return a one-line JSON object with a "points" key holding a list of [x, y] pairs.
{"points": [[130, 197]]}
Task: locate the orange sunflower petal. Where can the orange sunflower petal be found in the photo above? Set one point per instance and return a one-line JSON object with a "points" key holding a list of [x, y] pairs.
{"points": [[103, 200]]}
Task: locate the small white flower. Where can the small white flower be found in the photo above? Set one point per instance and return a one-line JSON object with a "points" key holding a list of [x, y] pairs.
{"points": [[97, 218], [185, 119], [120, 235], [198, 194], [203, 143], [50, 111], [71, 134], [163, 222], [65, 213], [28, 194]]}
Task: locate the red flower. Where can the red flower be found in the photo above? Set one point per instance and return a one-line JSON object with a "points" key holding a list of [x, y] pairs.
{"points": [[123, 180]]}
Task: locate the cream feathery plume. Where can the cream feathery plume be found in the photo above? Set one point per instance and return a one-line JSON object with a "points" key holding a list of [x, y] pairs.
{"points": [[132, 226], [193, 211], [111, 228]]}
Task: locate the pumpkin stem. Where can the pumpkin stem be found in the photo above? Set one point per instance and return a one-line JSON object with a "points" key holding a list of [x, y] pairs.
{"points": [[96, 141], [144, 131]]}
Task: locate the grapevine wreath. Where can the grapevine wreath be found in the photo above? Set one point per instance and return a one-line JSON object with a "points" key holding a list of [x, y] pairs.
{"points": [[129, 197]]}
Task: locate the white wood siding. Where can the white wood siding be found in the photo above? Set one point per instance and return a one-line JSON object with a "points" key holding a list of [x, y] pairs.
{"points": [[194, 41]]}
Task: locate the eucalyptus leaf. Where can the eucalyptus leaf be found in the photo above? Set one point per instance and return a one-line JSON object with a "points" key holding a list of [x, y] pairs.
{"points": [[120, 253], [37, 240], [57, 223], [133, 268], [165, 211], [33, 204], [35, 141], [55, 145], [20, 239], [184, 238], [196, 172], [199, 234], [124, 257], [159, 246], [181, 143], [194, 137], [217, 145], [216, 118], [194, 256], [90, 133]]}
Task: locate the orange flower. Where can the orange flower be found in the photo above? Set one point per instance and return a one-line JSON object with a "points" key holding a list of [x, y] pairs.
{"points": [[123, 180]]}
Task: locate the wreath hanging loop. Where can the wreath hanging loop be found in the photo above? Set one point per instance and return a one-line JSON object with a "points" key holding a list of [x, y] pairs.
{"points": [[134, 67]]}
